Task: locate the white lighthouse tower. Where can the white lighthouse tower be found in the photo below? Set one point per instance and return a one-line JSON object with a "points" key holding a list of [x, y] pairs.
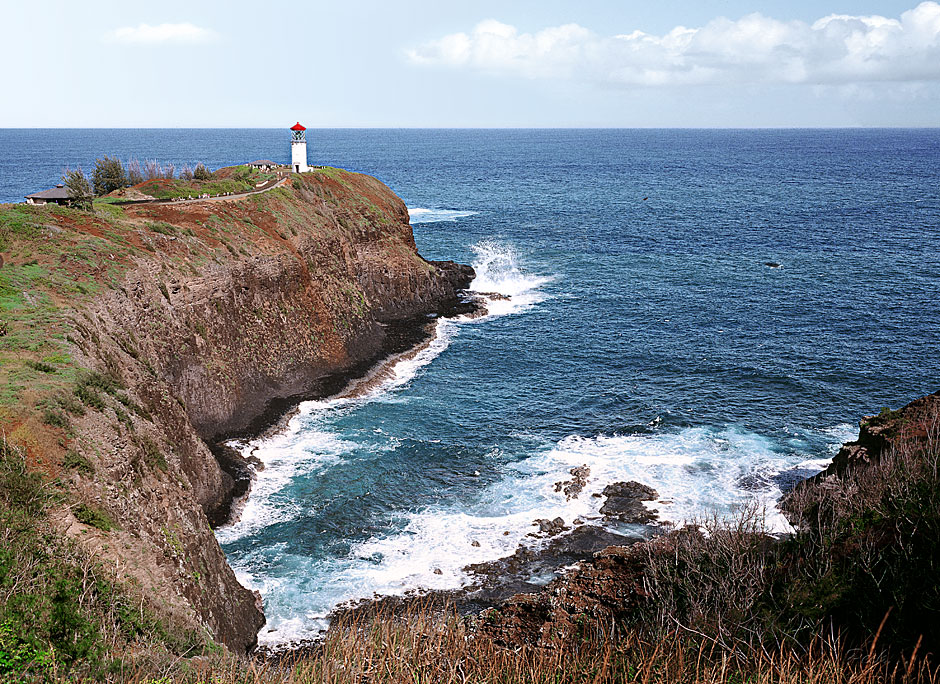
{"points": [[298, 148]]}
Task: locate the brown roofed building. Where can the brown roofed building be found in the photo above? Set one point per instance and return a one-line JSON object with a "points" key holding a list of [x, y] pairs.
{"points": [[57, 195]]}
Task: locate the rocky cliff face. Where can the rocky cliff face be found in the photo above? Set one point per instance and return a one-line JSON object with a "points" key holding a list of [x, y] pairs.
{"points": [[201, 315]]}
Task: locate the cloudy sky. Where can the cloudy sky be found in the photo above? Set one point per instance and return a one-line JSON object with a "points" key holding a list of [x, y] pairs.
{"points": [[483, 63]]}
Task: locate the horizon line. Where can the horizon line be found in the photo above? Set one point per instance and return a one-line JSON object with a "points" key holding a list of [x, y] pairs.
{"points": [[476, 128]]}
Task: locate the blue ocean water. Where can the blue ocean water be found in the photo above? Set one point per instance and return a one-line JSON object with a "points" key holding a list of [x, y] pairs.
{"points": [[645, 335]]}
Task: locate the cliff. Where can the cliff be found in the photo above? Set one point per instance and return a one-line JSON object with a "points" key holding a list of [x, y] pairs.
{"points": [[134, 336]]}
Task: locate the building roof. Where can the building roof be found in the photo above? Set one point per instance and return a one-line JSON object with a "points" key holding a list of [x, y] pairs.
{"points": [[297, 127], [262, 162], [58, 192]]}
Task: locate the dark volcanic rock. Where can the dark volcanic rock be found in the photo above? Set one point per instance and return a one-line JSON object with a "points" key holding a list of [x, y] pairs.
{"points": [[607, 587], [875, 433], [550, 528], [573, 487], [625, 502]]}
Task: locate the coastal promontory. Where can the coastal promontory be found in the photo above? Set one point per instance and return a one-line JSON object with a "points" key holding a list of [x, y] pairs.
{"points": [[139, 334]]}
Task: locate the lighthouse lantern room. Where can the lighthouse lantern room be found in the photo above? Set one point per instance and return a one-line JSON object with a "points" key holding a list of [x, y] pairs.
{"points": [[298, 148]]}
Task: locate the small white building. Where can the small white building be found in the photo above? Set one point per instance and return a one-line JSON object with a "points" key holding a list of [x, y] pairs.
{"points": [[262, 165], [298, 149]]}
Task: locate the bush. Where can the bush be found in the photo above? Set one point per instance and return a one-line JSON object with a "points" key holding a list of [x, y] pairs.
{"points": [[95, 517], [40, 366], [55, 418], [153, 457], [77, 182], [154, 170], [186, 173], [108, 175], [75, 461], [88, 385], [202, 172]]}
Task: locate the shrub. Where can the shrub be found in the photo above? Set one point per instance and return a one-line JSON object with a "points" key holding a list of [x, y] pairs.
{"points": [[19, 488], [108, 175], [89, 386], [55, 418], [40, 366], [134, 174], [162, 227], [153, 457], [202, 172], [78, 184], [75, 461], [95, 517], [152, 170], [186, 173]]}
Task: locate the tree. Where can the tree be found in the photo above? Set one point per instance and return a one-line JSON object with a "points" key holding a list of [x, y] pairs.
{"points": [[79, 187], [134, 174], [202, 172], [108, 175]]}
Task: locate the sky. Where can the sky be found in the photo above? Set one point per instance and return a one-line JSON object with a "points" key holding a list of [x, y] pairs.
{"points": [[428, 63]]}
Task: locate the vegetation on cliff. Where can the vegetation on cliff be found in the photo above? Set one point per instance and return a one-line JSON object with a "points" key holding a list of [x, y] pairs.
{"points": [[63, 615]]}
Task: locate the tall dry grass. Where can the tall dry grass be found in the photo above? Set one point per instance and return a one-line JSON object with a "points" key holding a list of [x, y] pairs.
{"points": [[423, 646]]}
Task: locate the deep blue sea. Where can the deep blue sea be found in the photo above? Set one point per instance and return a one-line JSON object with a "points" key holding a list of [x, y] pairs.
{"points": [[645, 335]]}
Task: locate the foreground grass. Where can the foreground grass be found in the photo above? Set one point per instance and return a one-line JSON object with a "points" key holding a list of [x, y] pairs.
{"points": [[423, 646]]}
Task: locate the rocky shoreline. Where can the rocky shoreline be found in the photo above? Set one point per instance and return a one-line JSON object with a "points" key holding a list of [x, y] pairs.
{"points": [[556, 547]]}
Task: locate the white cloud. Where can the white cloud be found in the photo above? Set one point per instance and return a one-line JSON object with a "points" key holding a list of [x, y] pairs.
{"points": [[836, 49], [145, 34]]}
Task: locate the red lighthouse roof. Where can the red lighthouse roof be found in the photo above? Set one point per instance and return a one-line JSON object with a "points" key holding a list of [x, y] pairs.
{"points": [[297, 127]]}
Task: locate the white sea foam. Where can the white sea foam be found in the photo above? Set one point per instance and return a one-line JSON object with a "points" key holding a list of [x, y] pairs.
{"points": [[696, 471], [423, 215], [300, 451], [498, 272]]}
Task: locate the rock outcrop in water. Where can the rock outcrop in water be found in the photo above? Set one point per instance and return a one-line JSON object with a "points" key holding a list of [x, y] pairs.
{"points": [[189, 323]]}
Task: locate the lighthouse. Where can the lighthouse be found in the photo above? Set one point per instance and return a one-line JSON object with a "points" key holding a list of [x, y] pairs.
{"points": [[298, 148]]}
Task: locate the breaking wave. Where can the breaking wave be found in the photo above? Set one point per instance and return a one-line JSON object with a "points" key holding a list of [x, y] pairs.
{"points": [[422, 215]]}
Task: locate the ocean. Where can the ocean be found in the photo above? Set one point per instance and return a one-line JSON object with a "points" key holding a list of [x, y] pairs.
{"points": [[708, 312]]}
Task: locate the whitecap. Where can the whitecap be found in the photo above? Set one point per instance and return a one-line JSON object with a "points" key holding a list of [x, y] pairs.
{"points": [[424, 215]]}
